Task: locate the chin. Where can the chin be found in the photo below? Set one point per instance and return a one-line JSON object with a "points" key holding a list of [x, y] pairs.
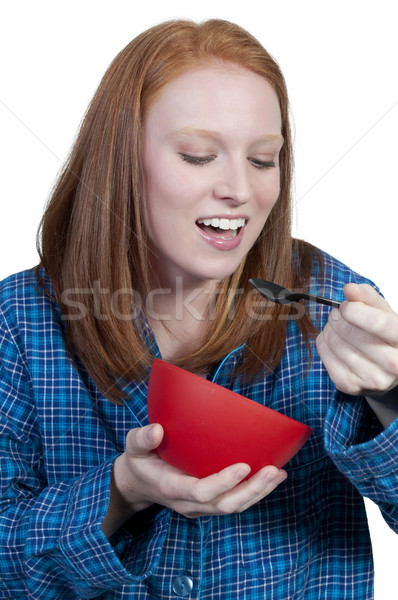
{"points": [[219, 274]]}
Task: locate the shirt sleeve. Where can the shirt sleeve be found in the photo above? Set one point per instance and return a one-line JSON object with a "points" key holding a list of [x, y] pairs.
{"points": [[51, 541], [364, 452]]}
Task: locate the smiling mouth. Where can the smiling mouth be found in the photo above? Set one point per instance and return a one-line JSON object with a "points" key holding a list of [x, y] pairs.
{"points": [[223, 228]]}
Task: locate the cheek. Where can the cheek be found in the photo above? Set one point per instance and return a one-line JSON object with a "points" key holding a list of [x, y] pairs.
{"points": [[166, 204], [174, 204], [267, 192]]}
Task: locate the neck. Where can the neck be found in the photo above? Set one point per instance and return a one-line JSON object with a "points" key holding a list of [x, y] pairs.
{"points": [[179, 315], [180, 299]]}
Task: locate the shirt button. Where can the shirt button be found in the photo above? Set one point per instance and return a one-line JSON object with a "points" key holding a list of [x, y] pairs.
{"points": [[182, 585]]}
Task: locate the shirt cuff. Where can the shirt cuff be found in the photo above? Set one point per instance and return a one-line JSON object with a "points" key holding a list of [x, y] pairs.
{"points": [[99, 563], [362, 449]]}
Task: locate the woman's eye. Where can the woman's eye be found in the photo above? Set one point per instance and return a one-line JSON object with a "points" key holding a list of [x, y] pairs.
{"points": [[197, 160], [262, 164]]}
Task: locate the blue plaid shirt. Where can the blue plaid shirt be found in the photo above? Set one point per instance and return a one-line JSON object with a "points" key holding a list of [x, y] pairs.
{"points": [[59, 437]]}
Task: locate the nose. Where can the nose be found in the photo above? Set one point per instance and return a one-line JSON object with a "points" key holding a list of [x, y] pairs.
{"points": [[233, 183]]}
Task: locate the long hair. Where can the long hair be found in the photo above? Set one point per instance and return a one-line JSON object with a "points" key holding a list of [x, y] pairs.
{"points": [[92, 239]]}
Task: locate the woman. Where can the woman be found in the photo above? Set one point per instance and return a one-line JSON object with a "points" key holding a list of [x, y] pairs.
{"points": [[177, 191]]}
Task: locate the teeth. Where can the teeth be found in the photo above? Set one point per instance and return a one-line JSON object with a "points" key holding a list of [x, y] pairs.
{"points": [[225, 224]]}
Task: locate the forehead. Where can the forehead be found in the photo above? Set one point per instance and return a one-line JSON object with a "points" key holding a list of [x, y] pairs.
{"points": [[214, 97]]}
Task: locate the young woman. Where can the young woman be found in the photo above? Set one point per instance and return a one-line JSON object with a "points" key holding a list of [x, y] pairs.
{"points": [[177, 191]]}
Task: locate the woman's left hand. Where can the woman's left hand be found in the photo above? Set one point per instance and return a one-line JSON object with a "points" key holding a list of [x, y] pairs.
{"points": [[359, 345]]}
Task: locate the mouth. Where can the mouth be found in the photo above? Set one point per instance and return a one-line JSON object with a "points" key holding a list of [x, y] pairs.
{"points": [[222, 228]]}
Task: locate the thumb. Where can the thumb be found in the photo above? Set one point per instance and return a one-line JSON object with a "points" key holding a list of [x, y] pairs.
{"points": [[364, 293], [143, 440]]}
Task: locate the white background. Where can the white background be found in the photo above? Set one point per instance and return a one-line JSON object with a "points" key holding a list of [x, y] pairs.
{"points": [[340, 61]]}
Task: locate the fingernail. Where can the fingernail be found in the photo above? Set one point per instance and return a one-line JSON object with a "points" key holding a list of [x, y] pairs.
{"points": [[274, 475], [242, 472], [149, 434]]}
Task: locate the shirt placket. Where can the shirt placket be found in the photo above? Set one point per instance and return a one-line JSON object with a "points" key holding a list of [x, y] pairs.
{"points": [[179, 571]]}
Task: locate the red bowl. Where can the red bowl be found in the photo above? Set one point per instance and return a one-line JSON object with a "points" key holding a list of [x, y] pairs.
{"points": [[207, 427]]}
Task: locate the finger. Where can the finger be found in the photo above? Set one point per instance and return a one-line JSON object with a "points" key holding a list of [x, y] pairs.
{"points": [[343, 378], [143, 440], [363, 292], [211, 487], [350, 342], [187, 495], [251, 491], [381, 323], [220, 493], [352, 371]]}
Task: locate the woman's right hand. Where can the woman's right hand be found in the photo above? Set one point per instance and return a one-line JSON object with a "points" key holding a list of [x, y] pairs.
{"points": [[141, 478]]}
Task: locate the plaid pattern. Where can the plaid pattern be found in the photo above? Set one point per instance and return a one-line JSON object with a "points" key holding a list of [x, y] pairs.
{"points": [[59, 437]]}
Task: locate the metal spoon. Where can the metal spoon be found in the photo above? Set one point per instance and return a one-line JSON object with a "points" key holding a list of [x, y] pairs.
{"points": [[280, 295]]}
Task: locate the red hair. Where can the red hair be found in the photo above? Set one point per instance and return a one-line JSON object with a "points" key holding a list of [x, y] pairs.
{"points": [[93, 229]]}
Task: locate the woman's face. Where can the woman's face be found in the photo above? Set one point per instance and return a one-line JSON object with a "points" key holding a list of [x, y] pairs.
{"points": [[211, 143]]}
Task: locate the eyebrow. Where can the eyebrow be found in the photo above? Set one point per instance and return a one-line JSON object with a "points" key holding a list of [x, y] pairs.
{"points": [[208, 133]]}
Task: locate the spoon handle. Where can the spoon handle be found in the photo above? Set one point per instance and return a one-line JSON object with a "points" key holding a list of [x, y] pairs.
{"points": [[319, 299]]}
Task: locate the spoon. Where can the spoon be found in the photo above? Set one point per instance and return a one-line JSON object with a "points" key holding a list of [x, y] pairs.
{"points": [[280, 295]]}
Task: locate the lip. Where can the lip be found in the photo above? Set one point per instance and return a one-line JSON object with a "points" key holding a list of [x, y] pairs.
{"points": [[245, 217], [219, 243]]}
